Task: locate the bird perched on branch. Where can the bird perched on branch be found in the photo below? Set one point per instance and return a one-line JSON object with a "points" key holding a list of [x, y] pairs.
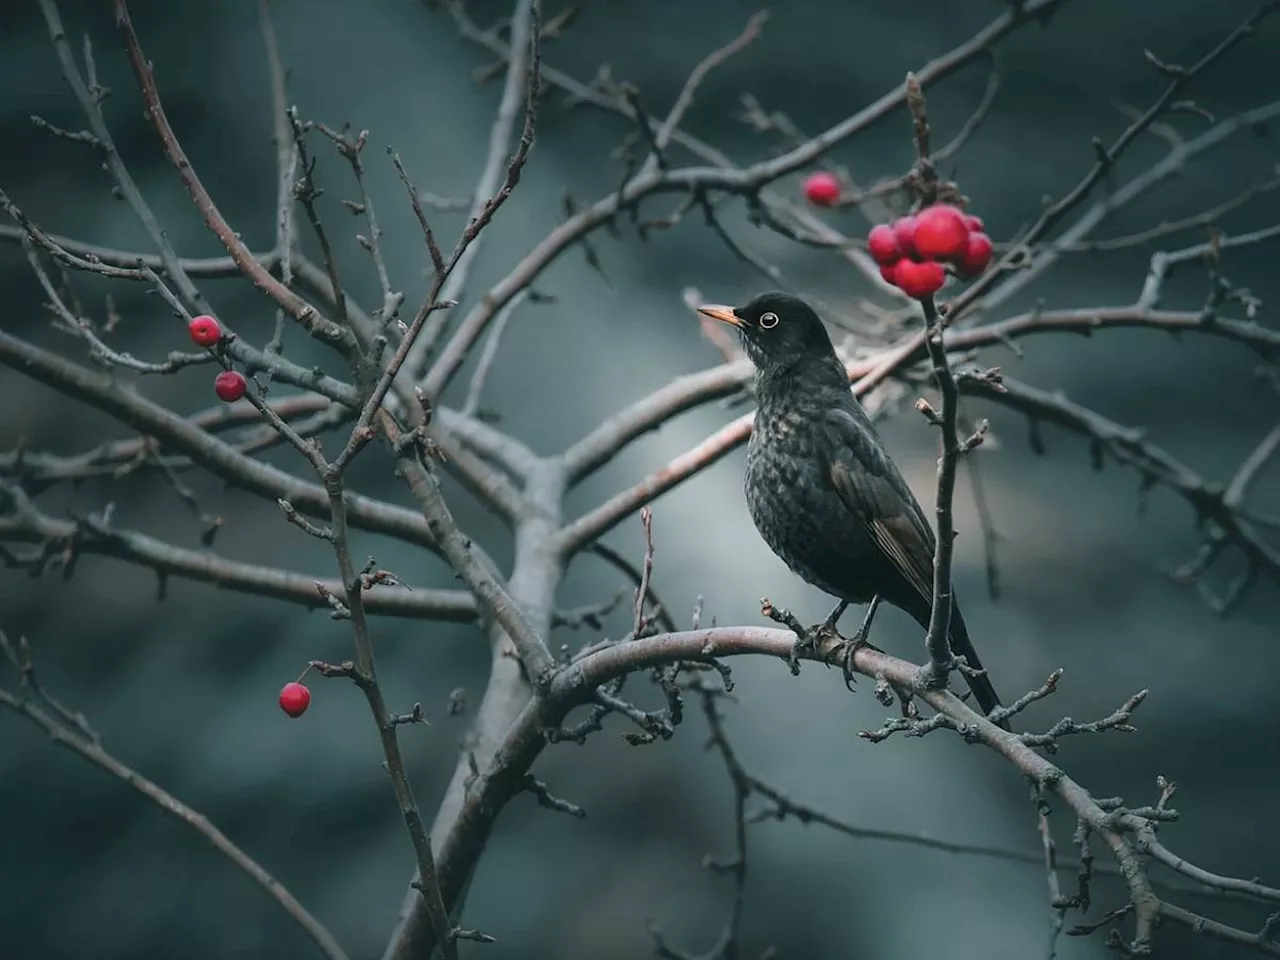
{"points": [[821, 487]]}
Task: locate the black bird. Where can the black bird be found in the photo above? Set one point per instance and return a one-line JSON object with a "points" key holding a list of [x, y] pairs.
{"points": [[820, 485]]}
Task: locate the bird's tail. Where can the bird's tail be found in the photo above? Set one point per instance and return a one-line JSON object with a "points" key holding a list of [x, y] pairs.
{"points": [[983, 692]]}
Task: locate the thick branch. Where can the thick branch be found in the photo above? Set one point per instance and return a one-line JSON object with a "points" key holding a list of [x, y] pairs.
{"points": [[470, 566], [496, 785], [166, 559], [220, 458]]}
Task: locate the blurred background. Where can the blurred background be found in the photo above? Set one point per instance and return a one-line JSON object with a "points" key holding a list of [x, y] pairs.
{"points": [[185, 690]]}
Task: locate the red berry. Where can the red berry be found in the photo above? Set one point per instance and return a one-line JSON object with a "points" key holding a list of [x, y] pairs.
{"points": [[904, 229], [919, 279], [887, 272], [294, 699], [205, 330], [977, 255], [822, 189], [229, 385], [974, 224], [882, 244], [941, 233]]}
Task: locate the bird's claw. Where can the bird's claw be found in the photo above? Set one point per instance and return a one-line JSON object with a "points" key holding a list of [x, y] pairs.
{"points": [[857, 642], [852, 646], [817, 637], [811, 642]]}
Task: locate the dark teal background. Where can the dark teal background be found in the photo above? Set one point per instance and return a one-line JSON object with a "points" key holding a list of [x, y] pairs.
{"points": [[185, 690]]}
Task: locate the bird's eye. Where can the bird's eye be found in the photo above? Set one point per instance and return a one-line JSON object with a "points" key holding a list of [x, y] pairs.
{"points": [[768, 321]]}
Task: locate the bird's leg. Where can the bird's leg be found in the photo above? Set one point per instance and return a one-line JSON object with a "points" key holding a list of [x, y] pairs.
{"points": [[858, 640], [814, 637]]}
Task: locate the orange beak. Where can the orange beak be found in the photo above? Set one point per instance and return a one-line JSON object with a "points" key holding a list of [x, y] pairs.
{"points": [[718, 311]]}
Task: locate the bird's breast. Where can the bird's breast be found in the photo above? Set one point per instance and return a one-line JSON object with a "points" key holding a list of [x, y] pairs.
{"points": [[796, 509]]}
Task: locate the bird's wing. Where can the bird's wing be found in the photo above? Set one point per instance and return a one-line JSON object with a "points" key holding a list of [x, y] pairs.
{"points": [[873, 490]]}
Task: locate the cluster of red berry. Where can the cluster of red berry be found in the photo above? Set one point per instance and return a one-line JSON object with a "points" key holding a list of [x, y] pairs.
{"points": [[229, 385], [911, 251]]}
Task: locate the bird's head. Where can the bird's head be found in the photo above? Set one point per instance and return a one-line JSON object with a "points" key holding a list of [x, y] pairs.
{"points": [[778, 331]]}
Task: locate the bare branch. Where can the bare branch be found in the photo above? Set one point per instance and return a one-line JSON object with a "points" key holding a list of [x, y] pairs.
{"points": [[714, 59], [434, 301], [1129, 446], [73, 739], [471, 406], [28, 524], [457, 548], [941, 658], [286, 166], [310, 319], [746, 181], [366, 679], [520, 91], [211, 453]]}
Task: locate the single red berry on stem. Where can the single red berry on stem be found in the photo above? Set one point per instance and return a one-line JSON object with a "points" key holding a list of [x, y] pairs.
{"points": [[882, 244], [205, 330], [977, 255], [229, 385], [904, 229], [919, 279], [974, 224], [294, 699], [822, 189], [888, 272], [941, 233]]}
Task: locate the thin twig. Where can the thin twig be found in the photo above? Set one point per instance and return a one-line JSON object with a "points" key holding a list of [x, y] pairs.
{"points": [[519, 92], [66, 736], [310, 319]]}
